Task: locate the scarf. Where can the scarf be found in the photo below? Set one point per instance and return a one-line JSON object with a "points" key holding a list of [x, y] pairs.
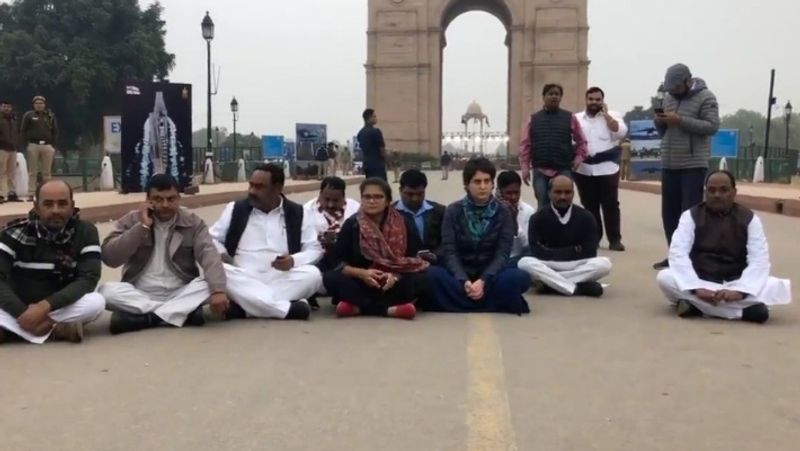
{"points": [[479, 217], [386, 246], [30, 230], [334, 219]]}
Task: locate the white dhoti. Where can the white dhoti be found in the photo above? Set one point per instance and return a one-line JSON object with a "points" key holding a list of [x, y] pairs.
{"points": [[269, 294], [563, 276], [775, 292], [126, 298], [85, 310]]}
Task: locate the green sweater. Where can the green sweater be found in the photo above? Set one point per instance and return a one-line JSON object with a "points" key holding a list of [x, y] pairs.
{"points": [[60, 274]]}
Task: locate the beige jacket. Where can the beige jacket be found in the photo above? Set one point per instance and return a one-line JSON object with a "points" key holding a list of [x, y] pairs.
{"points": [[131, 244]]}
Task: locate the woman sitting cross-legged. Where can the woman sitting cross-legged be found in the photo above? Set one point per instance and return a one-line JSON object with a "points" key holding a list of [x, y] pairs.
{"points": [[382, 274], [477, 235]]}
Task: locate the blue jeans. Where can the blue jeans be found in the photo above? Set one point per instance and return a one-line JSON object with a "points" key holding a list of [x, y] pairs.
{"points": [[541, 187]]}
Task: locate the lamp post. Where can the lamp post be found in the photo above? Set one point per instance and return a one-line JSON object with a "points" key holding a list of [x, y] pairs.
{"points": [[235, 111], [787, 111], [208, 34]]}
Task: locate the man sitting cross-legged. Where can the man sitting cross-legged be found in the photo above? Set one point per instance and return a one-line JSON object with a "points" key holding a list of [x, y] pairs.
{"points": [[719, 260], [563, 242], [270, 248], [49, 268], [161, 246]]}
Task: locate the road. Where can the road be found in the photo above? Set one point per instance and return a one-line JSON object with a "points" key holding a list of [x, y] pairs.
{"points": [[619, 373]]}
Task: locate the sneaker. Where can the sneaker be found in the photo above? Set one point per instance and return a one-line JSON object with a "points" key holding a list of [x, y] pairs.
{"points": [[122, 323], [402, 311], [588, 289], [345, 309], [195, 319], [758, 313], [299, 310], [312, 301], [687, 310], [663, 264], [616, 246], [70, 332]]}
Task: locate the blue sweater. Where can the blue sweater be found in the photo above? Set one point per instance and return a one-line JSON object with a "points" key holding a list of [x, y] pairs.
{"points": [[468, 260]]}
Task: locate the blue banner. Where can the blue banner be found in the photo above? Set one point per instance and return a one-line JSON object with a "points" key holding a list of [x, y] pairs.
{"points": [[273, 147], [725, 144]]}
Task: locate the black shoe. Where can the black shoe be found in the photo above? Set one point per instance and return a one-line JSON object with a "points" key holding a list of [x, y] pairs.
{"points": [[312, 301], [663, 264], [2, 200], [12, 197], [589, 289], [687, 310], [125, 322], [235, 311], [195, 319], [758, 313], [616, 246], [299, 310], [541, 288]]}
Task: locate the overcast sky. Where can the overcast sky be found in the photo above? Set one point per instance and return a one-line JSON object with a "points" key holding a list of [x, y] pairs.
{"points": [[291, 61]]}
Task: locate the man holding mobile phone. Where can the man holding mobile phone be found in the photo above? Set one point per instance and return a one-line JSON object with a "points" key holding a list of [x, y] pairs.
{"points": [[597, 177], [688, 120]]}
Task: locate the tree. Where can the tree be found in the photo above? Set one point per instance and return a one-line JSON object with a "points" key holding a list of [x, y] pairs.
{"points": [[638, 113], [218, 137], [742, 120], [243, 141], [79, 54]]}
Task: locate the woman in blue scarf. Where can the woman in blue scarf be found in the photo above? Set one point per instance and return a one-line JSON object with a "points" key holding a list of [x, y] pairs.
{"points": [[477, 234]]}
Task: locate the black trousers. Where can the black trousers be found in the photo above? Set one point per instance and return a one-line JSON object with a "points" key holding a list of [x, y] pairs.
{"points": [[681, 189], [410, 287], [602, 193]]}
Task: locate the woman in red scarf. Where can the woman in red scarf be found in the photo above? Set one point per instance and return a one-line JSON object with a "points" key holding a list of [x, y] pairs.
{"points": [[382, 274]]}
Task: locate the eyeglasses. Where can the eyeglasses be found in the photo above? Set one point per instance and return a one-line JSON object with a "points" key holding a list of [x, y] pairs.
{"points": [[373, 197]]}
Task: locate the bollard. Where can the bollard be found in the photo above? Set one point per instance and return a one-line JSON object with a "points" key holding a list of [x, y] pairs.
{"points": [[758, 171], [241, 176], [106, 174]]}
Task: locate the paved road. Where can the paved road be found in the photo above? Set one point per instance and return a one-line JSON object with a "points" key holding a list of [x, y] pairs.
{"points": [[621, 373]]}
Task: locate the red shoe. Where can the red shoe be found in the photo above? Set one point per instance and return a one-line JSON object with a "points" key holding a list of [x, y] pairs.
{"points": [[402, 311], [345, 309]]}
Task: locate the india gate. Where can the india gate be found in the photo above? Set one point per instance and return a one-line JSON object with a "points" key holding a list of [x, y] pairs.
{"points": [[546, 40]]}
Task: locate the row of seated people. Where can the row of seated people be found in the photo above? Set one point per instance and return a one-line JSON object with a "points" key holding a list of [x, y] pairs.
{"points": [[267, 257]]}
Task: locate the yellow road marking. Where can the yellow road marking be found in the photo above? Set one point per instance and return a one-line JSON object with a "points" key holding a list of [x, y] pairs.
{"points": [[488, 412]]}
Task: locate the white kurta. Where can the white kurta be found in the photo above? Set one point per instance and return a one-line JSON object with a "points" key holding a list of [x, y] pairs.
{"points": [[521, 240], [85, 310], [680, 279], [261, 290], [599, 138], [321, 225]]}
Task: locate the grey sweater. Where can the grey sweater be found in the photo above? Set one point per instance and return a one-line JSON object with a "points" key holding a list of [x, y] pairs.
{"points": [[688, 144]]}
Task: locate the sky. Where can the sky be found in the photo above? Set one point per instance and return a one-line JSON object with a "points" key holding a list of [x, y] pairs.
{"points": [[289, 61]]}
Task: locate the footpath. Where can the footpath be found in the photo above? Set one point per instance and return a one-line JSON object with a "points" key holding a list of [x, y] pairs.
{"points": [[104, 206]]}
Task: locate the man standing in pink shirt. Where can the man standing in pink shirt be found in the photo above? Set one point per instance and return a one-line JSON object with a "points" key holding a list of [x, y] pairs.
{"points": [[553, 144]]}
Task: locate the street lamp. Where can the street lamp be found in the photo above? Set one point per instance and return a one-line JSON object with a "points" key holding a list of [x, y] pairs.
{"points": [[208, 34], [787, 111], [235, 111]]}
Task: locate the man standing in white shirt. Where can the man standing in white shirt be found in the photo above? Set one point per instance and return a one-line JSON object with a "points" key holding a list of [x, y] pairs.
{"points": [[269, 248], [597, 177]]}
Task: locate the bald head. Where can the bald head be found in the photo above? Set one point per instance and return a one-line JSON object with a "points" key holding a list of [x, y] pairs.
{"points": [[54, 204], [562, 191]]}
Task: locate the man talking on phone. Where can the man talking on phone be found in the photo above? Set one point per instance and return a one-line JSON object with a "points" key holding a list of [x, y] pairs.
{"points": [[597, 177], [160, 247], [688, 118]]}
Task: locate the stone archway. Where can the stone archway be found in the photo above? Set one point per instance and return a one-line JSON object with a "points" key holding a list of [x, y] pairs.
{"points": [[547, 41]]}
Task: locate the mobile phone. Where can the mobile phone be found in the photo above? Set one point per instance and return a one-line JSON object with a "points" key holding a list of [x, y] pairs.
{"points": [[659, 110]]}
